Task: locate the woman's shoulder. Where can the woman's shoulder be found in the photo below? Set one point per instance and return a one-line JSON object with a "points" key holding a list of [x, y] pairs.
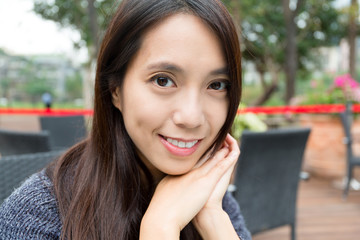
{"points": [[31, 211]]}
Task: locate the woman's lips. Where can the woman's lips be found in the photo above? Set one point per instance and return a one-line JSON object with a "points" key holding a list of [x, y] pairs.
{"points": [[179, 147]]}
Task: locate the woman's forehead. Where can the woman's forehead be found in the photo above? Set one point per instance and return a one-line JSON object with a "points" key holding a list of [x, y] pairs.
{"points": [[181, 38]]}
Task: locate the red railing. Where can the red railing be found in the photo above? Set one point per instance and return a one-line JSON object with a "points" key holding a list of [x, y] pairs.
{"points": [[51, 112], [326, 108], [314, 109]]}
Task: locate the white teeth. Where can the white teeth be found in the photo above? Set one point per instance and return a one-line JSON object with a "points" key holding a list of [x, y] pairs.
{"points": [[181, 144], [189, 144]]}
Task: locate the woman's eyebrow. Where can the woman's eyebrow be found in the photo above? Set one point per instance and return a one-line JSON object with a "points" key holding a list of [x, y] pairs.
{"points": [[175, 68], [220, 71], [165, 66]]}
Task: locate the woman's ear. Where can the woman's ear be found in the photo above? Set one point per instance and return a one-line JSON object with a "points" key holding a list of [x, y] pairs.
{"points": [[116, 98]]}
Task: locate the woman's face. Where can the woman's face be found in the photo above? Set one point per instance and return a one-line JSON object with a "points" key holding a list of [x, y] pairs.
{"points": [[174, 97]]}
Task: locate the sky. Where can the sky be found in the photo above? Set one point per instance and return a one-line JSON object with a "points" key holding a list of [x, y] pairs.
{"points": [[22, 32]]}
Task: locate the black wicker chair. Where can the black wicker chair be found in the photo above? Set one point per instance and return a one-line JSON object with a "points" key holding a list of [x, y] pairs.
{"points": [[351, 160], [64, 131], [15, 169], [267, 177], [17, 142]]}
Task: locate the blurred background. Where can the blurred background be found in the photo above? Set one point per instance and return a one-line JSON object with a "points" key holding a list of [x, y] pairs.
{"points": [[293, 50], [300, 68]]}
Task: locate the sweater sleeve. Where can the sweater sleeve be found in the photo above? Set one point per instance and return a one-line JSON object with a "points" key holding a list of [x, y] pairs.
{"points": [[31, 211], [232, 208]]}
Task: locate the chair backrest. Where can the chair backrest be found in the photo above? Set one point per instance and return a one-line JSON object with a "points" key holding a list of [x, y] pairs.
{"points": [[17, 142], [267, 176], [15, 169], [65, 131]]}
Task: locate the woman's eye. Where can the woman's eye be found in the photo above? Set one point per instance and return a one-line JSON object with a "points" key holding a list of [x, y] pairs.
{"points": [[219, 85], [163, 81]]}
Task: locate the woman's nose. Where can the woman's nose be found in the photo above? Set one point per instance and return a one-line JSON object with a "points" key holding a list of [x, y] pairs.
{"points": [[189, 112]]}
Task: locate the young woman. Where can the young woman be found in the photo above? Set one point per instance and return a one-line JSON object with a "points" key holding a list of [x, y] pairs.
{"points": [[159, 158]]}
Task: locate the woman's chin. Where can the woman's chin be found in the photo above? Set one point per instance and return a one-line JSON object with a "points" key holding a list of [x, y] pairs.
{"points": [[177, 171]]}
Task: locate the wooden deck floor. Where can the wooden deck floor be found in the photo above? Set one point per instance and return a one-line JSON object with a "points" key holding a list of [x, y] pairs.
{"points": [[322, 214]]}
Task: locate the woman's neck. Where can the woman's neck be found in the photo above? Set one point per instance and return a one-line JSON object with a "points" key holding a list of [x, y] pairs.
{"points": [[156, 173]]}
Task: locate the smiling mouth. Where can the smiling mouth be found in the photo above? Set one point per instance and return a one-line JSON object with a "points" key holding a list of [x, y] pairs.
{"points": [[180, 143], [180, 147]]}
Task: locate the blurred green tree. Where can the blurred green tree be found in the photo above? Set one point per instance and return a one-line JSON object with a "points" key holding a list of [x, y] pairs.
{"points": [[33, 82], [35, 87], [352, 34], [88, 17], [73, 86], [5, 86], [282, 37]]}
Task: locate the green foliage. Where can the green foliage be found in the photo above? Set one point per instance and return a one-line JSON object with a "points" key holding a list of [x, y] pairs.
{"points": [[36, 86], [248, 121], [74, 86], [249, 93], [323, 26], [327, 97], [75, 14], [25, 79], [5, 84], [331, 90], [263, 33]]}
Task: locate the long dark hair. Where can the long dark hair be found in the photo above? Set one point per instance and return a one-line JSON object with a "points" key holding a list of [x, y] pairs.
{"points": [[102, 187]]}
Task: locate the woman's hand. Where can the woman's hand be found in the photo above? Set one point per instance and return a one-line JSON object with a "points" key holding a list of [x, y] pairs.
{"points": [[215, 200], [212, 222], [178, 199]]}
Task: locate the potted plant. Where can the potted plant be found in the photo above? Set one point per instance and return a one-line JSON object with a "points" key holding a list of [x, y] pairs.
{"points": [[325, 152]]}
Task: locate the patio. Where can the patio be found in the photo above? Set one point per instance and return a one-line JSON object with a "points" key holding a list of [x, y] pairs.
{"points": [[322, 213]]}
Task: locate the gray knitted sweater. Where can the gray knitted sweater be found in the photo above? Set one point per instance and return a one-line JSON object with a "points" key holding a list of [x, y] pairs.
{"points": [[31, 212]]}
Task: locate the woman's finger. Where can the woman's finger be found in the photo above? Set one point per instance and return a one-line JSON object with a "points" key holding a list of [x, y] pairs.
{"points": [[209, 163], [223, 171], [230, 149]]}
